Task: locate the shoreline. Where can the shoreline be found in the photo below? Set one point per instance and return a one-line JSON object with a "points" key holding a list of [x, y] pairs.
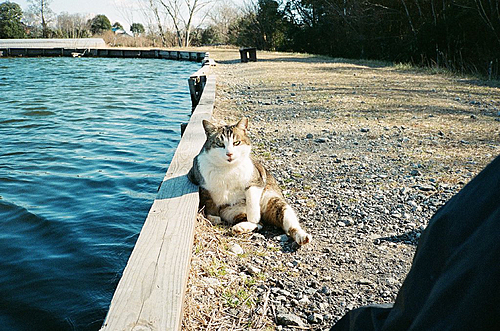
{"points": [[365, 153]]}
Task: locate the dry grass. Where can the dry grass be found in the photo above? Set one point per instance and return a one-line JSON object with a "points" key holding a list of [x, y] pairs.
{"points": [[221, 294]]}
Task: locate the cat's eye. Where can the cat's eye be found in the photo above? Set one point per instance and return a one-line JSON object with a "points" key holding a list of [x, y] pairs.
{"points": [[236, 143], [220, 144]]}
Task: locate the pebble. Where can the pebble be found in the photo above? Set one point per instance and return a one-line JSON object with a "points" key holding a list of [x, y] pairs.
{"points": [[253, 270], [426, 188], [289, 320], [305, 300], [281, 238], [364, 281], [211, 281], [315, 318], [236, 249], [415, 172]]}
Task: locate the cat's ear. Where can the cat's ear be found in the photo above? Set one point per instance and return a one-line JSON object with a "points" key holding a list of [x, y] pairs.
{"points": [[209, 127], [242, 124]]}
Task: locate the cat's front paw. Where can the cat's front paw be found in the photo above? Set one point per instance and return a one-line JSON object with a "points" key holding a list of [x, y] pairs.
{"points": [[245, 227]]}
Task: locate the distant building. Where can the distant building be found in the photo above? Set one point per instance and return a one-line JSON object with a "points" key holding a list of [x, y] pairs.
{"points": [[120, 31]]}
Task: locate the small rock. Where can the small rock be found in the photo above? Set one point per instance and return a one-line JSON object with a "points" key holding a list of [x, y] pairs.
{"points": [[415, 172], [364, 281], [321, 140], [281, 238], [305, 300], [236, 249], [289, 319], [258, 236], [323, 305], [426, 188], [315, 318], [365, 129], [284, 292], [211, 281], [252, 270], [325, 290], [309, 136]]}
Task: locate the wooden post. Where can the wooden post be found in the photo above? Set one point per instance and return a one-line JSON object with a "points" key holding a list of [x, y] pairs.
{"points": [[248, 54], [243, 55], [197, 83], [150, 293], [252, 54]]}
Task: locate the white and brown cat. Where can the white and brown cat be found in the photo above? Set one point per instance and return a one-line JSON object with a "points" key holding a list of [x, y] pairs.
{"points": [[237, 188]]}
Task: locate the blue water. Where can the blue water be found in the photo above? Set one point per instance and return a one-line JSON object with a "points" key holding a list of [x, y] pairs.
{"points": [[84, 144]]}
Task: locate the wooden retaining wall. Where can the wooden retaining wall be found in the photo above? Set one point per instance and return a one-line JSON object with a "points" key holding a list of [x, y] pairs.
{"points": [[101, 52], [150, 293]]}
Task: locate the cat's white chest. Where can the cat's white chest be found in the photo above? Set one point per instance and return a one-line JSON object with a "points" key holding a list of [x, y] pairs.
{"points": [[226, 184]]}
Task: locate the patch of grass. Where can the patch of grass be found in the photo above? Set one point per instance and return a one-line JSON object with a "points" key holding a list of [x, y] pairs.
{"points": [[236, 297], [266, 155], [216, 269]]}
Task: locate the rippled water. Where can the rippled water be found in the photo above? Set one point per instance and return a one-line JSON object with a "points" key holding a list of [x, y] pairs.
{"points": [[84, 145]]}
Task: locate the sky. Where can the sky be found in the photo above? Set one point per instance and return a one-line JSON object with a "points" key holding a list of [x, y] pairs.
{"points": [[124, 11]]}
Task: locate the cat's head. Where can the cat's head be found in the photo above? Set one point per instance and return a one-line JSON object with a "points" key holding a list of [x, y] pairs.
{"points": [[227, 144]]}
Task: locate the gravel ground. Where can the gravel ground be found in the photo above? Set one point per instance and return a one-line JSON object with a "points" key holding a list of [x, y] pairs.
{"points": [[366, 152]]}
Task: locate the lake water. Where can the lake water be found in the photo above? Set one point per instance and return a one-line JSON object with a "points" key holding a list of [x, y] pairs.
{"points": [[84, 144]]}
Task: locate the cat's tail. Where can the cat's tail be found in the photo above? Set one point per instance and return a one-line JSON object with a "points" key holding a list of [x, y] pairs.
{"points": [[277, 212]]}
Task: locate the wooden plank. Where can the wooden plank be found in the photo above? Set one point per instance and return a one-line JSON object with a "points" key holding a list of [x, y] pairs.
{"points": [[120, 52], [151, 291]]}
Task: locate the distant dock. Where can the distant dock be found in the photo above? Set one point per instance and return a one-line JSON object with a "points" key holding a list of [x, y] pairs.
{"points": [[87, 47]]}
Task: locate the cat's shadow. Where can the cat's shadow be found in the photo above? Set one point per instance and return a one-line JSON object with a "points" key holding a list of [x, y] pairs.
{"points": [[175, 187], [275, 238]]}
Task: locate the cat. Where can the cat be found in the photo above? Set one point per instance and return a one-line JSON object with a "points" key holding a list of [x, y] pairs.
{"points": [[236, 188]]}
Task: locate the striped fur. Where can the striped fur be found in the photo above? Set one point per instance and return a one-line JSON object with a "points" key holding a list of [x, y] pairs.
{"points": [[237, 188]]}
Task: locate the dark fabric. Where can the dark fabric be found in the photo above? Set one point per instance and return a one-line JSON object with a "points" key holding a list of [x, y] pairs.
{"points": [[454, 281]]}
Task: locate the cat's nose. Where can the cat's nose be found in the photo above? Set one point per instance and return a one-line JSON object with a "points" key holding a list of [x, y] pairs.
{"points": [[229, 154]]}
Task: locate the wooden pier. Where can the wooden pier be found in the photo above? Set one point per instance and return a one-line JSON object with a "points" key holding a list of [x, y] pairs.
{"points": [[151, 291], [92, 47]]}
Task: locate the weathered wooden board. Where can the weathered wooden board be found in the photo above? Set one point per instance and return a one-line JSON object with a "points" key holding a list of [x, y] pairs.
{"points": [[88, 47], [151, 291]]}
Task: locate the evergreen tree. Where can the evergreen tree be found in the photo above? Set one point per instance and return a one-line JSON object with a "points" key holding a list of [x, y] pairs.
{"points": [[137, 28], [10, 21], [99, 24]]}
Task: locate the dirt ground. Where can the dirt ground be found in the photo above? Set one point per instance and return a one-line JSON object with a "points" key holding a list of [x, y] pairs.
{"points": [[365, 152]]}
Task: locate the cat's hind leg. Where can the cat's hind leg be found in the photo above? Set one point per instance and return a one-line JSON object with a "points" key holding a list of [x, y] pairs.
{"points": [[292, 227], [279, 213]]}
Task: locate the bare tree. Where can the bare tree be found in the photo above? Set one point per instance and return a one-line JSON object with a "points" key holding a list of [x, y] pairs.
{"points": [[72, 25], [44, 14], [221, 18], [181, 13]]}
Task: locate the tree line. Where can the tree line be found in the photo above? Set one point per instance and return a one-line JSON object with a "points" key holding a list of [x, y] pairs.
{"points": [[461, 35], [39, 21]]}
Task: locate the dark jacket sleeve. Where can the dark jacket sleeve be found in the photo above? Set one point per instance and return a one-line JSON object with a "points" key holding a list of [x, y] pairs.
{"points": [[453, 281]]}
